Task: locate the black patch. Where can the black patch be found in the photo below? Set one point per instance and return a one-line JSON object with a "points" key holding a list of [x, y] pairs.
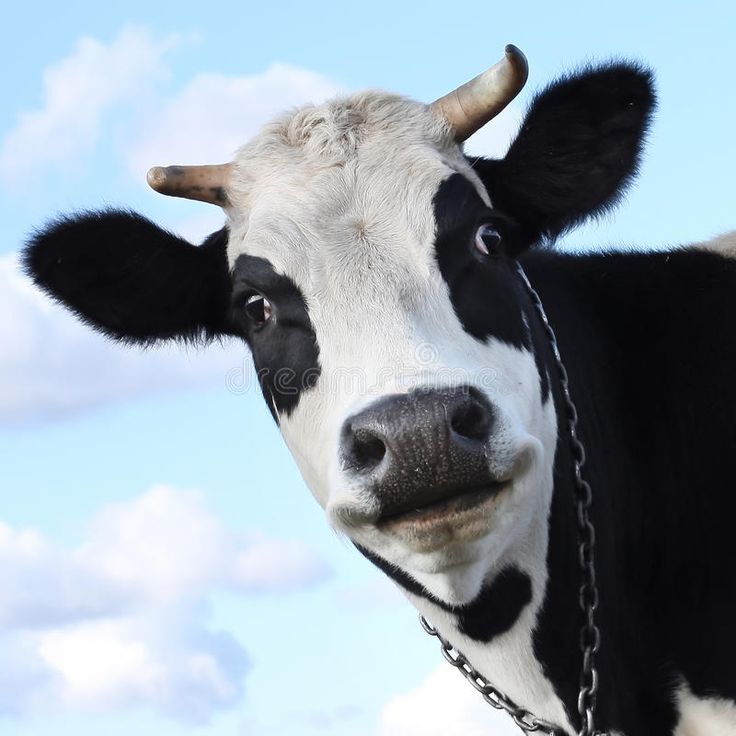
{"points": [[651, 353], [498, 606], [485, 291], [493, 612], [578, 149], [132, 280], [285, 351], [136, 282]]}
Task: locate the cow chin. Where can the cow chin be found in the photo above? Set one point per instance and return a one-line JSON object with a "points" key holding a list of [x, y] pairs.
{"points": [[453, 547]]}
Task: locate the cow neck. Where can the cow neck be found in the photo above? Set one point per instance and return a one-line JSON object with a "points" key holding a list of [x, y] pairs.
{"points": [[579, 498]]}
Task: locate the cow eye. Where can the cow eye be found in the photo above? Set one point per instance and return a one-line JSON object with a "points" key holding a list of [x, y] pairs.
{"points": [[258, 309], [487, 239]]}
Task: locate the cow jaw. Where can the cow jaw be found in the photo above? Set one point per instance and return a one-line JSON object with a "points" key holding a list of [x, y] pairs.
{"points": [[451, 552]]}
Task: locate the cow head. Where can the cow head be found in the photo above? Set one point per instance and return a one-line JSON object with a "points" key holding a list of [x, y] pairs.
{"points": [[370, 267]]}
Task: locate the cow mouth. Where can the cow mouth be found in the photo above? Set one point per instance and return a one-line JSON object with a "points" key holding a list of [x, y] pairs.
{"points": [[453, 503]]}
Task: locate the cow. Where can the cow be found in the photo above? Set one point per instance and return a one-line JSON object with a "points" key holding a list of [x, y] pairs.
{"points": [[360, 239]]}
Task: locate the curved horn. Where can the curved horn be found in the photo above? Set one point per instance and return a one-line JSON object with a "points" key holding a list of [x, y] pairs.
{"points": [[205, 183], [472, 105]]}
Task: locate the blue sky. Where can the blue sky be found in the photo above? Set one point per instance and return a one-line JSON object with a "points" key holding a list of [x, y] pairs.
{"points": [[163, 569]]}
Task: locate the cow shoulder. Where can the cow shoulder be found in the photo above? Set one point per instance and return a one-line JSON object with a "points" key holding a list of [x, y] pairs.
{"points": [[724, 245], [704, 716]]}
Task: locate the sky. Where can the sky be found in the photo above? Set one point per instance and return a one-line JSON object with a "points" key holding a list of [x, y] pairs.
{"points": [[163, 568]]}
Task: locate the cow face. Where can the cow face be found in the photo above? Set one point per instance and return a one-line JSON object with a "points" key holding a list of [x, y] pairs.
{"points": [[374, 284], [371, 268]]}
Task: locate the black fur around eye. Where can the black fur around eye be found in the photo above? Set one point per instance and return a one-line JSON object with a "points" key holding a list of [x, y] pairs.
{"points": [[258, 309], [487, 240]]}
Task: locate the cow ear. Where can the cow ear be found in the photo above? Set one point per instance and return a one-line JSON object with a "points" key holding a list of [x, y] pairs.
{"points": [[578, 148], [132, 280]]}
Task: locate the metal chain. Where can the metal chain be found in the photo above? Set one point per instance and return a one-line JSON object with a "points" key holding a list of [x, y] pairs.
{"points": [[525, 720], [590, 636]]}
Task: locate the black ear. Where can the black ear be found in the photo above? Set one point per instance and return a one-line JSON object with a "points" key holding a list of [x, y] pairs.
{"points": [[577, 150], [131, 279]]}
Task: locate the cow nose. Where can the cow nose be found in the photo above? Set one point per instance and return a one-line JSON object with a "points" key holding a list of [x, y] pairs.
{"points": [[469, 417], [422, 433]]}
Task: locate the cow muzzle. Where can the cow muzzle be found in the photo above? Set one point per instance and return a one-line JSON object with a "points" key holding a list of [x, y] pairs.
{"points": [[424, 458]]}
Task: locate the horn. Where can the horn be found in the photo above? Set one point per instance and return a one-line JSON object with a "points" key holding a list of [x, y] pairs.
{"points": [[205, 183], [469, 107]]}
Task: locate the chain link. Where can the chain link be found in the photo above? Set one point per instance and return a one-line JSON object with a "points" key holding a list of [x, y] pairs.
{"points": [[525, 720], [590, 635]]}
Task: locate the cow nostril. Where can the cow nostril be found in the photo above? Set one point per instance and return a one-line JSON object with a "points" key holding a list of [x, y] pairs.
{"points": [[365, 451], [471, 419]]}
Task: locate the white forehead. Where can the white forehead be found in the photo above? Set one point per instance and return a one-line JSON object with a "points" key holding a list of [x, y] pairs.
{"points": [[325, 187]]}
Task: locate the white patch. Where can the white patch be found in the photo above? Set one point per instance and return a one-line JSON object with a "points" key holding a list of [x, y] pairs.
{"points": [[724, 245], [508, 660], [339, 198], [704, 716]]}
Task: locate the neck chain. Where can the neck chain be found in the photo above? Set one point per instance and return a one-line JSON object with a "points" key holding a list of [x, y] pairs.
{"points": [[590, 636]]}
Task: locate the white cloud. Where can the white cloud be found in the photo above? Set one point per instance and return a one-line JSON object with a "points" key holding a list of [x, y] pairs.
{"points": [[166, 546], [119, 620], [206, 120], [77, 93], [177, 667], [443, 704], [160, 547], [213, 115], [41, 585], [26, 683], [274, 565], [52, 364]]}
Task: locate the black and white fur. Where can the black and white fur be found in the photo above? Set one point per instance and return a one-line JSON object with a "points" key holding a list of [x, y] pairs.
{"points": [[358, 220]]}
